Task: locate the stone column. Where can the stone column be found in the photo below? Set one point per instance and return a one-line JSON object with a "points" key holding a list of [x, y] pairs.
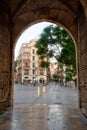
{"points": [[82, 35], [4, 60]]}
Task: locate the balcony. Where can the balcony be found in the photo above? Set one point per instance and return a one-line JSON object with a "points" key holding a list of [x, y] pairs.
{"points": [[26, 67], [26, 73]]}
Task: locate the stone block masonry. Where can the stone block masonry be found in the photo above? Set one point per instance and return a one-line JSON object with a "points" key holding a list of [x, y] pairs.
{"points": [[4, 61]]}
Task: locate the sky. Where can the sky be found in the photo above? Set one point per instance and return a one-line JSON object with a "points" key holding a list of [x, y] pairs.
{"points": [[30, 33]]}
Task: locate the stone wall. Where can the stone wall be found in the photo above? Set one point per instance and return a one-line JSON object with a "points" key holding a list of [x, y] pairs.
{"points": [[4, 61], [55, 11], [83, 60]]}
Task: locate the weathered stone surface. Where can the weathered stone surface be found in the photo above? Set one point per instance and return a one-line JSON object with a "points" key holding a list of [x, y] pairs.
{"points": [[4, 61], [55, 11], [83, 60]]}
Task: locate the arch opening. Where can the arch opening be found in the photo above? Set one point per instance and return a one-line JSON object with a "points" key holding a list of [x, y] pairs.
{"points": [[42, 79]]}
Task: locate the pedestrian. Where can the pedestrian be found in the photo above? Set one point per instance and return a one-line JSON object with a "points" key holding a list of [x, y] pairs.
{"points": [[34, 83], [65, 83]]}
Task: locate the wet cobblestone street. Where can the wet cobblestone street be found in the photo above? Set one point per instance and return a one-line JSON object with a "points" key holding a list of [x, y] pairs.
{"points": [[43, 117]]}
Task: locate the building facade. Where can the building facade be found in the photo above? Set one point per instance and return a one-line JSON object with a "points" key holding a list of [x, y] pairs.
{"points": [[28, 68], [53, 69]]}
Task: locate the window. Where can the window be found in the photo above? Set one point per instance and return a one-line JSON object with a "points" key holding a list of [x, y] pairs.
{"points": [[33, 57], [33, 65], [25, 57], [33, 71], [41, 72], [26, 64], [26, 49], [33, 51], [26, 71]]}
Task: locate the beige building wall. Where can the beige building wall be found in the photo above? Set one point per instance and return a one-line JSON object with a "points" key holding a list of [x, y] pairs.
{"points": [[28, 56]]}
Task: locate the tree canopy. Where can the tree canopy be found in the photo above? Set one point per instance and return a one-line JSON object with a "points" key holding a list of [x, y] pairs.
{"points": [[68, 55], [15, 65], [48, 43], [56, 42]]}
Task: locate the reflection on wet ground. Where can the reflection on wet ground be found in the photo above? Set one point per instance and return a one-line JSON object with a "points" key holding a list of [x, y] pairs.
{"points": [[40, 90], [43, 117]]}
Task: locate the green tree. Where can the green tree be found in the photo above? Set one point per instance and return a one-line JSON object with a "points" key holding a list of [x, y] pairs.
{"points": [[55, 77], [43, 48], [15, 65], [68, 55], [48, 44], [69, 73], [56, 42], [68, 58]]}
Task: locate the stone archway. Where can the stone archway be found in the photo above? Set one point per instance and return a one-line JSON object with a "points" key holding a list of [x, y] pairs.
{"points": [[16, 17], [32, 15]]}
